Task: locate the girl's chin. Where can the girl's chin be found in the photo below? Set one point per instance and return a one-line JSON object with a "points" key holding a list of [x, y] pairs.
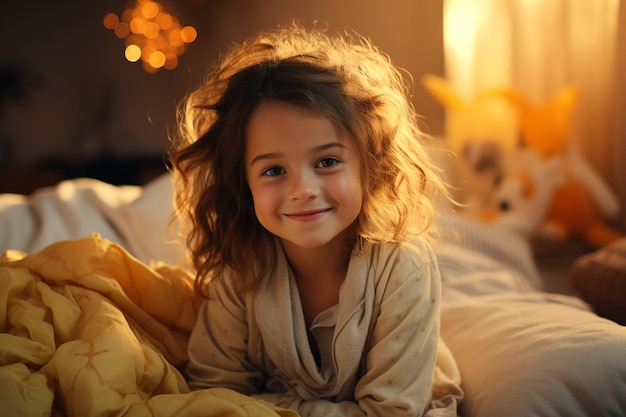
{"points": [[305, 244]]}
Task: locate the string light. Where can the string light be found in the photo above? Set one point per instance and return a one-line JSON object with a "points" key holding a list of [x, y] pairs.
{"points": [[153, 35]]}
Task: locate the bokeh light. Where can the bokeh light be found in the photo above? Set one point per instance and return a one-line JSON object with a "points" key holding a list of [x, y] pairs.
{"points": [[132, 53], [153, 34]]}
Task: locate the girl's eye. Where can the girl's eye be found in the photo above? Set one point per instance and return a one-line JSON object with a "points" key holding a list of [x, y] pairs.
{"points": [[273, 171], [327, 162]]}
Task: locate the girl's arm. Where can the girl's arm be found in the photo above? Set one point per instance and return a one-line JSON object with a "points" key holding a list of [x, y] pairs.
{"points": [[401, 359], [219, 344]]}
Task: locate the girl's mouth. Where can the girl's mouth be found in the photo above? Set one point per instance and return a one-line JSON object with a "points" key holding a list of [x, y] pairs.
{"points": [[310, 215]]}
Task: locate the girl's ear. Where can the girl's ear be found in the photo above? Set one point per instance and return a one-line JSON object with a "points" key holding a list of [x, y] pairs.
{"points": [[442, 91]]}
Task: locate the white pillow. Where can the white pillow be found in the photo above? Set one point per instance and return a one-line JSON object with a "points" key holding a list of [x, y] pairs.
{"points": [[133, 216], [71, 209], [534, 354], [145, 224]]}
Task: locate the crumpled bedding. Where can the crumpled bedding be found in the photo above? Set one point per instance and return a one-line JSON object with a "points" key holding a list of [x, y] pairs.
{"points": [[520, 351], [87, 329]]}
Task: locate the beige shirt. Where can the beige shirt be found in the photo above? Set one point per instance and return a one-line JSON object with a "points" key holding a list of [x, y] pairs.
{"points": [[377, 347]]}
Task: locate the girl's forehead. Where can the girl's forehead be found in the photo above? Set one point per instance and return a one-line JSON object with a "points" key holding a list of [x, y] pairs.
{"points": [[273, 119], [281, 111], [278, 130]]}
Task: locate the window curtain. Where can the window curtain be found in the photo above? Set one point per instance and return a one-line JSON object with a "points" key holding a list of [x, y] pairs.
{"points": [[539, 47]]}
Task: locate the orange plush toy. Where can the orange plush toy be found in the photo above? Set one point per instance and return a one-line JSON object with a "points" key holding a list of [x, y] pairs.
{"points": [[518, 159], [574, 214], [581, 201], [545, 128]]}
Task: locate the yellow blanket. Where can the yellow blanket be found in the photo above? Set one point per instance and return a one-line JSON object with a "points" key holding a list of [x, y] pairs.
{"points": [[88, 330]]}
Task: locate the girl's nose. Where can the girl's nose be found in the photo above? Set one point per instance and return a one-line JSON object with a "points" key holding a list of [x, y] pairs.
{"points": [[304, 186]]}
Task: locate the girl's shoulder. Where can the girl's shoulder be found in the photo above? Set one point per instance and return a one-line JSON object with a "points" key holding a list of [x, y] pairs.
{"points": [[404, 272], [227, 287], [413, 255], [393, 266]]}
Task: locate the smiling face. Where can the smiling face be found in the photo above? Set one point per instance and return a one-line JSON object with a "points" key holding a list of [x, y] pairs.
{"points": [[304, 176]]}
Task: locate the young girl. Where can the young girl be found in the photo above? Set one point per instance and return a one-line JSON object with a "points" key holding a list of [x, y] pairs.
{"points": [[309, 196]]}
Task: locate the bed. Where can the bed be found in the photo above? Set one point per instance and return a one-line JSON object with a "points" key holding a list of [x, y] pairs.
{"points": [[96, 308]]}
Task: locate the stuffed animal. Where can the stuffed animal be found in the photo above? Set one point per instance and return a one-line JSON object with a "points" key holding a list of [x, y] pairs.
{"points": [[573, 213], [478, 131], [537, 197], [554, 193], [545, 128], [581, 202], [523, 195]]}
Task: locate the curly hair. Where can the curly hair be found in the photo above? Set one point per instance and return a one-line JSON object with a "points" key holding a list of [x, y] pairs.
{"points": [[344, 78]]}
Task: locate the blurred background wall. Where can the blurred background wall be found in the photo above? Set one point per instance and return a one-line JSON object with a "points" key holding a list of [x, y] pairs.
{"points": [[76, 102]]}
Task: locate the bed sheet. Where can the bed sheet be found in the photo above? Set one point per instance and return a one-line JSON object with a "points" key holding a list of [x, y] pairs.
{"points": [[522, 351], [536, 354]]}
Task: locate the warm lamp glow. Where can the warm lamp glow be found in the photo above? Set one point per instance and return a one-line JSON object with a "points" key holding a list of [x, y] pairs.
{"points": [[460, 27], [460, 23], [153, 35]]}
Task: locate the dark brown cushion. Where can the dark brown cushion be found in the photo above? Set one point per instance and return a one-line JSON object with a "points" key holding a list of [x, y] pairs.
{"points": [[600, 280]]}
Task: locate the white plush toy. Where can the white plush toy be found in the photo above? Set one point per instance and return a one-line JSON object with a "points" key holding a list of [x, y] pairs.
{"points": [[522, 196]]}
